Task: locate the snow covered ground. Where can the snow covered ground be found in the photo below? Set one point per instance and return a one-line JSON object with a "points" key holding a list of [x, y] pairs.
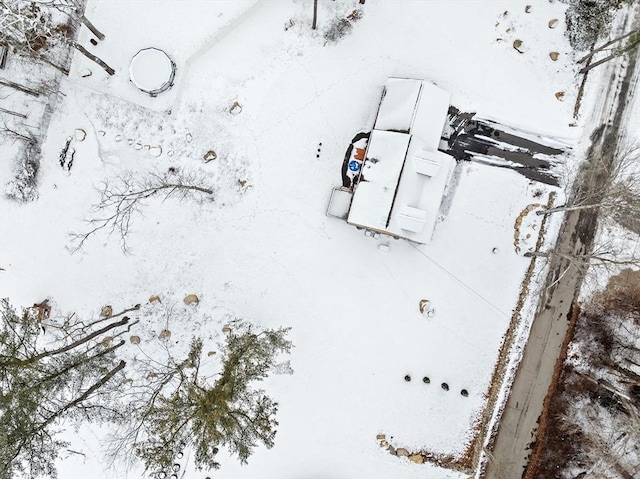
{"points": [[264, 249]]}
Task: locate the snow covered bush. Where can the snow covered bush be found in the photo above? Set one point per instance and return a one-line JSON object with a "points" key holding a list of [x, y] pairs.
{"points": [[23, 187], [590, 20], [338, 29]]}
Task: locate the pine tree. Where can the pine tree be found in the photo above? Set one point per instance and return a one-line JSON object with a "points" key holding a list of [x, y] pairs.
{"points": [[590, 20], [206, 415], [40, 386]]}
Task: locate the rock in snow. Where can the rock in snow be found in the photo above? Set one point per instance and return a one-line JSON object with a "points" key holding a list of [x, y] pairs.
{"points": [[191, 299]]}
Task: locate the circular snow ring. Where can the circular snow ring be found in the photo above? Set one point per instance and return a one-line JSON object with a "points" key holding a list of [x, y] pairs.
{"points": [[152, 71]]}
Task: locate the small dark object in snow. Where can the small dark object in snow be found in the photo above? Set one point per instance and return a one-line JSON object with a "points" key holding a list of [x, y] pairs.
{"points": [[356, 14], [426, 380], [64, 151], [495, 250], [445, 386], [407, 378], [465, 393], [85, 73], [94, 42], [71, 155]]}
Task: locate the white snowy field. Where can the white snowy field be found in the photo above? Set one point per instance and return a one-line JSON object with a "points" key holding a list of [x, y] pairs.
{"points": [[264, 249]]}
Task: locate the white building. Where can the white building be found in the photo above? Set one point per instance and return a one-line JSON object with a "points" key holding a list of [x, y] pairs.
{"points": [[403, 177]]}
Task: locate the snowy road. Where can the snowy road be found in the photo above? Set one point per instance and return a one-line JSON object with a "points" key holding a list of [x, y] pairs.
{"points": [[511, 451]]}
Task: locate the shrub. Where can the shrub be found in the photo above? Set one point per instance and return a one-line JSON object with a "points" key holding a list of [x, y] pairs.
{"points": [[338, 29], [588, 20]]}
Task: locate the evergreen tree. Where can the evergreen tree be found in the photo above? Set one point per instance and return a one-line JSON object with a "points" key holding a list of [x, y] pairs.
{"points": [[42, 384], [189, 410], [590, 20]]}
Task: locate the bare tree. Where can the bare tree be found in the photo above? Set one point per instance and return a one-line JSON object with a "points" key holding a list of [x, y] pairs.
{"points": [[595, 408], [122, 199], [10, 133], [627, 43], [74, 9], [604, 256], [619, 199], [17, 86], [30, 29], [606, 46]]}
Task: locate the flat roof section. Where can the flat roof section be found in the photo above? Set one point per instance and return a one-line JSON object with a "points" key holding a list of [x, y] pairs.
{"points": [[375, 192], [340, 202], [419, 195], [431, 114], [398, 104]]}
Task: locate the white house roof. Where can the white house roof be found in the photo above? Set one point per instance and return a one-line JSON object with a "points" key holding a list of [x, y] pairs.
{"points": [[380, 174], [419, 196], [398, 105], [340, 203], [431, 114], [404, 175], [425, 162]]}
